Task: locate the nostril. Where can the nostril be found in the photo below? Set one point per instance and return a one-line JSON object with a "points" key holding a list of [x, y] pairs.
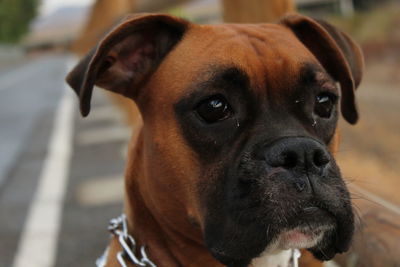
{"points": [[320, 158], [296, 154], [290, 159]]}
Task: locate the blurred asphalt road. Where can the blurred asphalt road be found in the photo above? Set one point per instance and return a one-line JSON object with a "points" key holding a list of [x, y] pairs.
{"points": [[30, 97]]}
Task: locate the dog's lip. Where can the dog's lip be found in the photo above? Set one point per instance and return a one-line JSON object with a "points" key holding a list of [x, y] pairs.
{"points": [[317, 217], [316, 211], [307, 228], [302, 237]]}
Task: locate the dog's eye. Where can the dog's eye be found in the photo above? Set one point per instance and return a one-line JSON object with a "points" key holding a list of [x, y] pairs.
{"points": [[214, 109], [324, 104]]}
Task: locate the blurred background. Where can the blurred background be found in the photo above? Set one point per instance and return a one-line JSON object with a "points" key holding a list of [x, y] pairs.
{"points": [[61, 176]]}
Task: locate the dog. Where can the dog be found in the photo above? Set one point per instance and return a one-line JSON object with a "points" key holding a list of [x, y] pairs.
{"points": [[233, 163]]}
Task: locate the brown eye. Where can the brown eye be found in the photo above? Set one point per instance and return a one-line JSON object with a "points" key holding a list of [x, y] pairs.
{"points": [[214, 109], [324, 104]]}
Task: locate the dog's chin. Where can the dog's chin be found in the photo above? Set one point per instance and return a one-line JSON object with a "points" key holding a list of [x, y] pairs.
{"points": [[310, 230], [300, 237], [314, 230]]}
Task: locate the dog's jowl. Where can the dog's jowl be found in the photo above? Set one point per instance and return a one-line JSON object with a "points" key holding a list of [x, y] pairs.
{"points": [[234, 160]]}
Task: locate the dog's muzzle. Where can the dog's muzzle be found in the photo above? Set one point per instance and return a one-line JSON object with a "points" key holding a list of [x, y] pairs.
{"points": [[303, 157], [286, 194]]}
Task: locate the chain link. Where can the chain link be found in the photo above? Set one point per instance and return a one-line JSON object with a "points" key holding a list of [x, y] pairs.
{"points": [[118, 227]]}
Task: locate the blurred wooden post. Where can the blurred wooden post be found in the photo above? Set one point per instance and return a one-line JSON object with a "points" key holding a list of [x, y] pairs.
{"points": [[256, 11], [347, 8], [103, 15]]}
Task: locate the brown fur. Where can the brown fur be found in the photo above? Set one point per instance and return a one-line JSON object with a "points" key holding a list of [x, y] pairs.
{"points": [[160, 181]]}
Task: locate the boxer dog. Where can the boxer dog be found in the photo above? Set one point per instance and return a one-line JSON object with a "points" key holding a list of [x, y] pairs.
{"points": [[233, 164]]}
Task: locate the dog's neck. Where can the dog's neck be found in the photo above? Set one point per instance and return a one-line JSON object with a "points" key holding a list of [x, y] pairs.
{"points": [[165, 245], [168, 248]]}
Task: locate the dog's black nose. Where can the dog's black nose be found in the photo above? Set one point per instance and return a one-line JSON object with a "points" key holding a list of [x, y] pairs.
{"points": [[298, 154]]}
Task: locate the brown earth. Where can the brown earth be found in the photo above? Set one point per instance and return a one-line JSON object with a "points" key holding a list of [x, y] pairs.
{"points": [[370, 150], [369, 157]]}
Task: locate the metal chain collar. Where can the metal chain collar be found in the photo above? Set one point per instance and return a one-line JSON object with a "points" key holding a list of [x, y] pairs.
{"points": [[118, 228]]}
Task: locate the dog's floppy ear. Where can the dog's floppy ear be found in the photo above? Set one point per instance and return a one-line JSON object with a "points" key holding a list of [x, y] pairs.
{"points": [[126, 57], [336, 52]]}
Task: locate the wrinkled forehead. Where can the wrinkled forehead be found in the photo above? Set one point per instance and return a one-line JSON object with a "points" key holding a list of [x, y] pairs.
{"points": [[268, 54]]}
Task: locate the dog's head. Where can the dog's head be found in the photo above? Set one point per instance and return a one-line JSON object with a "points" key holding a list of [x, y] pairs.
{"points": [[240, 125]]}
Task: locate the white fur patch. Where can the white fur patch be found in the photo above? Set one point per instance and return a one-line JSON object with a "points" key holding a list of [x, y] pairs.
{"points": [[281, 258], [279, 252]]}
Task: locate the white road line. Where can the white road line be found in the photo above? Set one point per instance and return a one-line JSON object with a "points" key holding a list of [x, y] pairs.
{"points": [[38, 244]]}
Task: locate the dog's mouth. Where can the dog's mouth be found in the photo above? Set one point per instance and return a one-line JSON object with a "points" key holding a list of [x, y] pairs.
{"points": [[314, 228], [259, 208], [306, 231], [300, 238]]}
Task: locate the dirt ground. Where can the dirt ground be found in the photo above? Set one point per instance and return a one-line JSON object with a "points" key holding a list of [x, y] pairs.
{"points": [[369, 155], [370, 150]]}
